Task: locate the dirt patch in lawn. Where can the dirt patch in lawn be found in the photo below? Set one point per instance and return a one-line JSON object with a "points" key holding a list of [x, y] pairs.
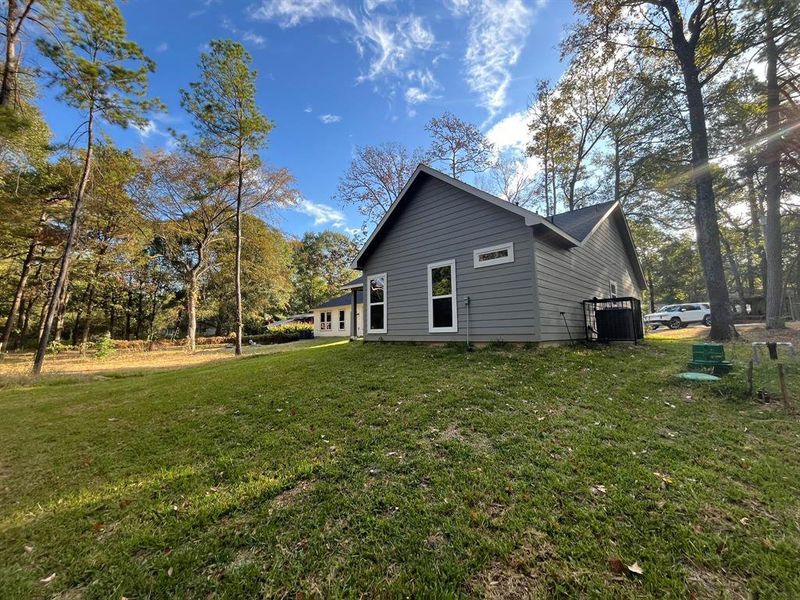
{"points": [[473, 439], [523, 575], [704, 583], [290, 496]]}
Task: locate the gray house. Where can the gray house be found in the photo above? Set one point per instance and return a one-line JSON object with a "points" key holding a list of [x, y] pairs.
{"points": [[449, 261]]}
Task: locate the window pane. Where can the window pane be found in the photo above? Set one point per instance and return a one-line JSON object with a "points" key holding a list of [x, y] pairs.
{"points": [[442, 312], [376, 317], [493, 255], [441, 284], [376, 287]]}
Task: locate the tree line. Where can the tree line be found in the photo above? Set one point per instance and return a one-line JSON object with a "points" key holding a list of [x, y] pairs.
{"points": [[96, 238], [688, 113]]}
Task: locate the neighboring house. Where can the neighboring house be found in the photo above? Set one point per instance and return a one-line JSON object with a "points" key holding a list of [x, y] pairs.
{"points": [[334, 317], [449, 261]]}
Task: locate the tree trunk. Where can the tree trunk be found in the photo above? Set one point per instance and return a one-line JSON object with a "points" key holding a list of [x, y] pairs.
{"points": [[737, 275], [705, 216], [11, 65], [26, 321], [238, 350], [139, 312], [23, 281], [87, 324], [772, 154], [191, 312], [651, 288], [71, 236], [755, 222], [62, 311]]}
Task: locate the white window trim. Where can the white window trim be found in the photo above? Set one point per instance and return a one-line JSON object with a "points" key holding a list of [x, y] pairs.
{"points": [[369, 302], [612, 285], [453, 297], [494, 261], [342, 319]]}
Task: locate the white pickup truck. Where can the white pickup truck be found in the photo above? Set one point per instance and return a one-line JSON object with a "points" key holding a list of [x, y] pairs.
{"points": [[676, 316]]}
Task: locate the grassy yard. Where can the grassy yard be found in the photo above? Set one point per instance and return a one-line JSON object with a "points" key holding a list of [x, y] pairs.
{"points": [[340, 469]]}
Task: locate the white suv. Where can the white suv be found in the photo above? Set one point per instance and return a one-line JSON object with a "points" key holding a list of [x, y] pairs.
{"points": [[676, 316]]}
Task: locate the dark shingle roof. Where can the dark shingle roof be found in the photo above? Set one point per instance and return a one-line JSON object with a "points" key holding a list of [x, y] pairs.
{"points": [[343, 300], [355, 282], [578, 223]]}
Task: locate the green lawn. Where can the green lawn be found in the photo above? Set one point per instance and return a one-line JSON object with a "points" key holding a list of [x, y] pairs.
{"points": [[383, 470]]}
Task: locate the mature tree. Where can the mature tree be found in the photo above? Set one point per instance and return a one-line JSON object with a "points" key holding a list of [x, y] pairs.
{"points": [[101, 74], [32, 204], [700, 46], [321, 267], [779, 40], [190, 197], [586, 111], [375, 178], [458, 144], [547, 134], [111, 222], [230, 126], [510, 179], [16, 15], [266, 277]]}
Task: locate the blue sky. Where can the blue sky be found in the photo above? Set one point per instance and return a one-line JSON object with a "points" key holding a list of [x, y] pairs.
{"points": [[334, 74]]}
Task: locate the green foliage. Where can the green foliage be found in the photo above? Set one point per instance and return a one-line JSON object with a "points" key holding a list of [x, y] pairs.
{"points": [[322, 267], [222, 103], [103, 346], [266, 276]]}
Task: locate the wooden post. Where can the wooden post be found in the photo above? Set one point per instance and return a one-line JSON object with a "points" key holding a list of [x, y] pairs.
{"points": [[787, 403], [750, 378], [353, 310]]}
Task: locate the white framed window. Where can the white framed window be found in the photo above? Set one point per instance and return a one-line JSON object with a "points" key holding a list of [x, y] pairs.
{"points": [[341, 320], [442, 305], [324, 321], [612, 288], [376, 303], [494, 255]]}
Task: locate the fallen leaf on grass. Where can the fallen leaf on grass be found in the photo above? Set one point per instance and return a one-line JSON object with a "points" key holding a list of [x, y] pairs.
{"points": [[620, 568], [169, 572], [598, 489], [616, 565], [664, 478], [28, 549], [48, 579], [635, 569]]}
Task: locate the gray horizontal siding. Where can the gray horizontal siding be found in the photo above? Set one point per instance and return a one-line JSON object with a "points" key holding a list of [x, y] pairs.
{"points": [[566, 277], [439, 222]]}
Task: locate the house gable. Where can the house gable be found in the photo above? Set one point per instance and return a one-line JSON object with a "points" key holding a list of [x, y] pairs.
{"points": [[439, 222]]}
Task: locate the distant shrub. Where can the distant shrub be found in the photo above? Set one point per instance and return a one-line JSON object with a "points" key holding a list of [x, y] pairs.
{"points": [[103, 346], [290, 328], [57, 347]]}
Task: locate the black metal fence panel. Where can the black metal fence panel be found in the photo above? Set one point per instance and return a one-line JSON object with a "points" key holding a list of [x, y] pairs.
{"points": [[613, 319]]}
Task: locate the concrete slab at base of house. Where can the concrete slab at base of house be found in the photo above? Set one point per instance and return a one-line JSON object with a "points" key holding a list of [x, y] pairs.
{"points": [[449, 262]]}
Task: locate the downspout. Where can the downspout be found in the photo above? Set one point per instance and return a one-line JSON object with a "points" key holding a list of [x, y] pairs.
{"points": [[467, 303]]}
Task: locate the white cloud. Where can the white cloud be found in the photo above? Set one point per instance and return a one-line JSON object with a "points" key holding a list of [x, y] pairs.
{"points": [[498, 30], [254, 38], [146, 130], [257, 40], [321, 213], [290, 13], [307, 109], [511, 132], [162, 47], [388, 41], [327, 119], [414, 95]]}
